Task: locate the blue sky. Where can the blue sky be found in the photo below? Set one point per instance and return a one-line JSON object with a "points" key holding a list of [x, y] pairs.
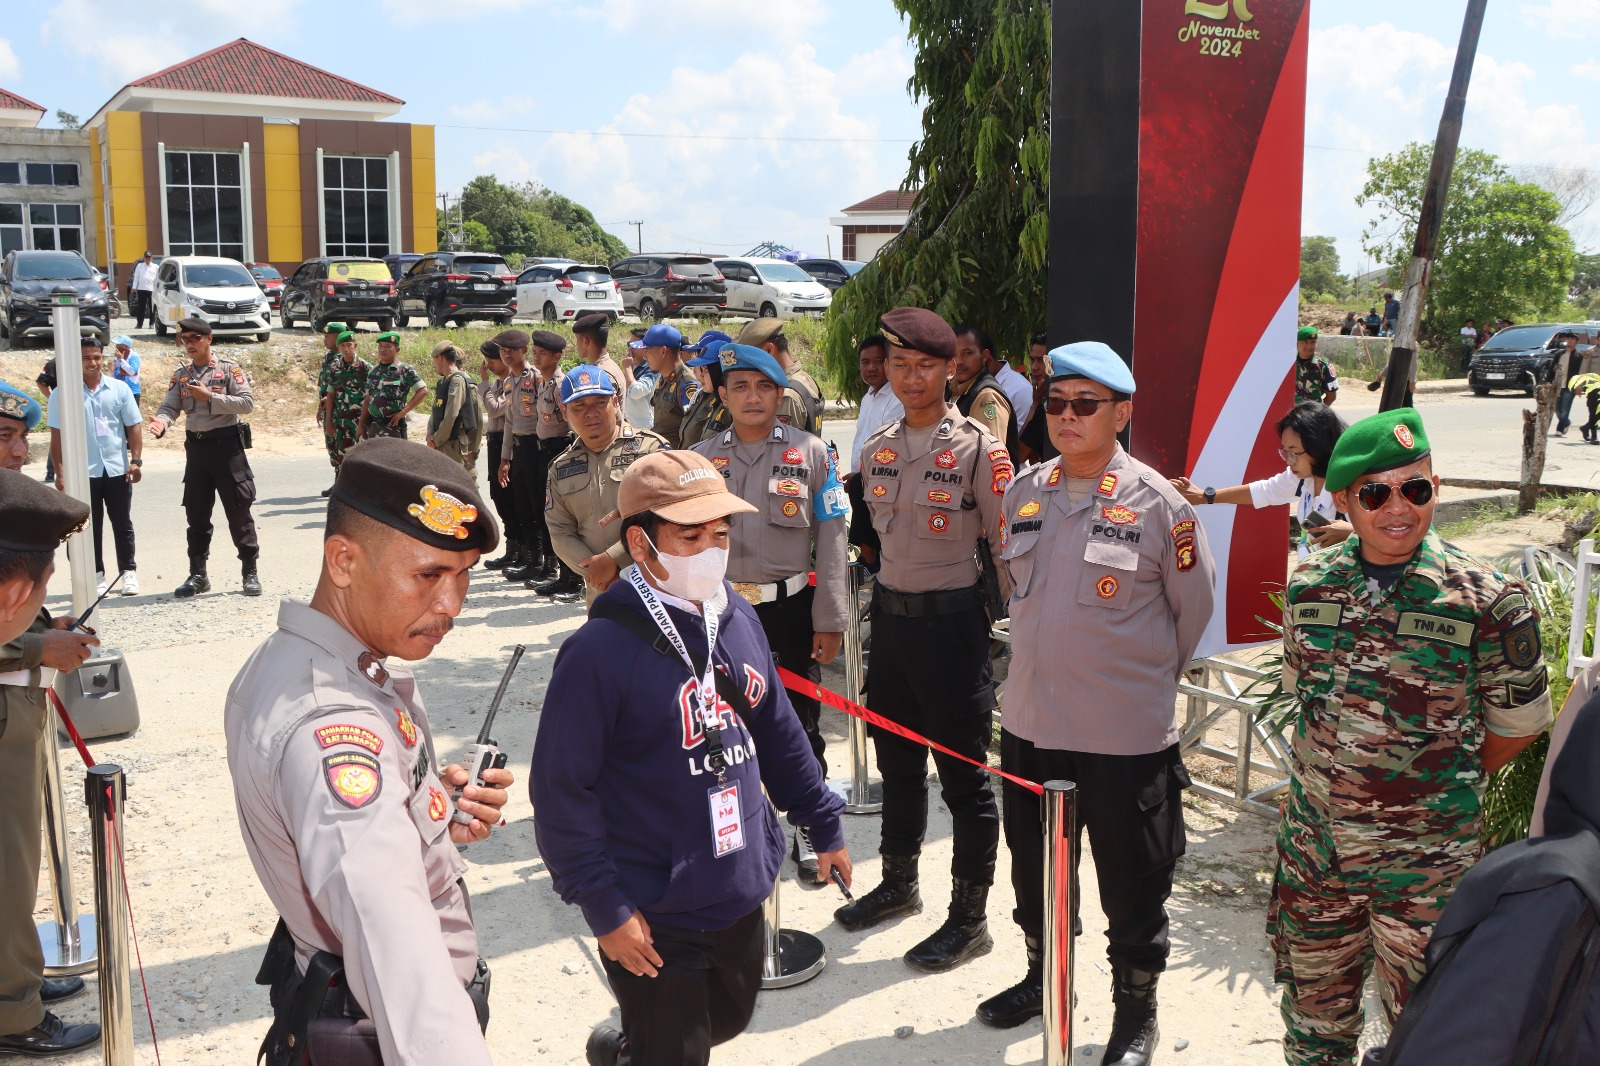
{"points": [[771, 115]]}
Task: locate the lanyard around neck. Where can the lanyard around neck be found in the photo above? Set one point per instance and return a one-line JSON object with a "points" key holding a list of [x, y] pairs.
{"points": [[705, 683]]}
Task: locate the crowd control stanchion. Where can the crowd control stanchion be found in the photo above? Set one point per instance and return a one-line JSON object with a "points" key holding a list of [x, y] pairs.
{"points": [[792, 957], [69, 940], [1060, 837], [105, 790], [861, 794]]}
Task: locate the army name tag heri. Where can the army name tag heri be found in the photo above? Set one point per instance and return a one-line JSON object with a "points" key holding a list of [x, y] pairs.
{"points": [[727, 822]]}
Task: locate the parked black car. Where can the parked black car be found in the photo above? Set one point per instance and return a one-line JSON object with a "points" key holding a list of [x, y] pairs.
{"points": [[458, 286], [26, 281], [833, 273], [400, 262], [1520, 357], [660, 285], [346, 289]]}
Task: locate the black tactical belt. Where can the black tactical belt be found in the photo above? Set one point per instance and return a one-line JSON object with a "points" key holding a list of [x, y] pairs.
{"points": [[213, 434], [923, 604]]}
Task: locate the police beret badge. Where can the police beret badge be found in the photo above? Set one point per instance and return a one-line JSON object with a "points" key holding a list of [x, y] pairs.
{"points": [[443, 513], [728, 358]]}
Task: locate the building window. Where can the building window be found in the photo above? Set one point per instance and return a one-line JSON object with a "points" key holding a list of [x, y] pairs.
{"points": [[10, 173], [56, 227], [52, 173], [11, 231], [355, 204], [205, 204]]}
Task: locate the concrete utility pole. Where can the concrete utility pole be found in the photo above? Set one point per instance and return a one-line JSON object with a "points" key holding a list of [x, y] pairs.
{"points": [[638, 236], [1403, 353]]}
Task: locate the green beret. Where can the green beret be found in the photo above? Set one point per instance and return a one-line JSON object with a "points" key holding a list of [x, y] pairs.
{"points": [[35, 517], [335, 327], [1305, 333], [347, 335], [1383, 442], [391, 335], [418, 491]]}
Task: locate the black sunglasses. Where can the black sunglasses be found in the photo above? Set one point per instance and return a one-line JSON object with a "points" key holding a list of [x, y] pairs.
{"points": [[1082, 406], [1374, 494]]}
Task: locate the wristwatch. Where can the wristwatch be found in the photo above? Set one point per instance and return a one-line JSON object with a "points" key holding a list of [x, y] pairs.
{"points": [[1211, 494], [136, 462]]}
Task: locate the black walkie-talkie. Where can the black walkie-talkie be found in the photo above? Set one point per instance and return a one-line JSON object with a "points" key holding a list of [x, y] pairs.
{"points": [[485, 755]]}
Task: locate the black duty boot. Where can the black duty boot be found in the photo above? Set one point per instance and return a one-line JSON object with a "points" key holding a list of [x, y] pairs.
{"points": [[530, 565], [565, 586], [50, 1037], [1021, 1001], [964, 934], [252, 581], [1133, 1024], [606, 1046], [197, 581], [896, 895], [505, 560]]}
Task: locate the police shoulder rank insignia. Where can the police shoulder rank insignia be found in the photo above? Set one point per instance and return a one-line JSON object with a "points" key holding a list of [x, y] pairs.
{"points": [[793, 456], [1054, 478], [946, 460], [938, 496], [1119, 515], [343, 733], [408, 728], [443, 513], [1029, 509], [790, 508], [354, 779], [438, 806], [1107, 486], [372, 669], [1106, 587], [938, 521], [1522, 644], [885, 456]]}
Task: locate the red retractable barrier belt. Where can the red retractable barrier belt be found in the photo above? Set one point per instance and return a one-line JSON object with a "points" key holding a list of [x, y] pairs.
{"points": [[72, 730], [796, 683]]}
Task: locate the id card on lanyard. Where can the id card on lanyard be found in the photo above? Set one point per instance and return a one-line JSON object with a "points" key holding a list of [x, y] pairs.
{"points": [[727, 815]]}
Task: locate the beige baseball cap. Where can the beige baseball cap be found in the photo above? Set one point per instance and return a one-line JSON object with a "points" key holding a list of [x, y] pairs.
{"points": [[682, 487]]}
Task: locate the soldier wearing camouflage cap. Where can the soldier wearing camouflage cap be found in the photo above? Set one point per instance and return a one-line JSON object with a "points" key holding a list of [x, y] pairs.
{"points": [[394, 389], [1315, 380], [1415, 672], [330, 355], [345, 398]]}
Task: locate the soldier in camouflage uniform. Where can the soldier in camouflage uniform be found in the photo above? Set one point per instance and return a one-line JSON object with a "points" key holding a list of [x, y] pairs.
{"points": [[346, 392], [330, 355], [393, 391], [1416, 672], [1314, 378]]}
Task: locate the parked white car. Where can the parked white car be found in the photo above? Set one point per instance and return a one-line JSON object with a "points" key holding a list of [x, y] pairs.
{"points": [[773, 288], [562, 292], [221, 291]]}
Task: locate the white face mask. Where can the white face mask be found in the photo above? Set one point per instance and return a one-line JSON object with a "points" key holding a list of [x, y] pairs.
{"points": [[691, 577]]}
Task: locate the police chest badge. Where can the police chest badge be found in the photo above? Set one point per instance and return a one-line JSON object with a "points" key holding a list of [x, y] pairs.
{"points": [[442, 513], [793, 457], [1029, 509], [880, 490], [1106, 587], [790, 508], [437, 807], [354, 779], [885, 456], [938, 522], [946, 460], [408, 728]]}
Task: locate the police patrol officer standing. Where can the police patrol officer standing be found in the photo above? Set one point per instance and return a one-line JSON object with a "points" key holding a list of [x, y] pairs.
{"points": [[492, 387], [933, 485], [345, 812], [590, 333], [213, 392], [552, 436], [580, 508], [455, 425], [393, 391], [1416, 672], [34, 520], [1102, 548], [787, 475], [519, 450], [676, 388], [802, 402]]}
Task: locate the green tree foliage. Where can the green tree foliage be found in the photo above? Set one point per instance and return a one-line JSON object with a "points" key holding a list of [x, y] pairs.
{"points": [[1501, 250], [1319, 268], [974, 247], [527, 219], [1586, 273]]}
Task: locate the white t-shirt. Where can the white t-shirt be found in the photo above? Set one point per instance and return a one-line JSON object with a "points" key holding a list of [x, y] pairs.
{"points": [[877, 410], [1469, 333], [1018, 390], [1300, 492]]}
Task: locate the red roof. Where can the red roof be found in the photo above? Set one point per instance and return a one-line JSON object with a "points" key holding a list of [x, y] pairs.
{"points": [[248, 69], [893, 200], [11, 101]]}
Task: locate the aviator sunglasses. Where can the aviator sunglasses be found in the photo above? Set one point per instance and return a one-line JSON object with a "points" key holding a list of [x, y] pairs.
{"points": [[1374, 494], [1082, 406]]}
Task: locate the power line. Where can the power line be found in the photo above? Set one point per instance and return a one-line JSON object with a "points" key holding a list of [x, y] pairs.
{"points": [[1504, 163], [691, 136]]}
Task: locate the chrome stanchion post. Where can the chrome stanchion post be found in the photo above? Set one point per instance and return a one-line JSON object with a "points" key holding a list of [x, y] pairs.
{"points": [[105, 790], [1060, 837], [69, 941], [861, 794], [792, 957]]}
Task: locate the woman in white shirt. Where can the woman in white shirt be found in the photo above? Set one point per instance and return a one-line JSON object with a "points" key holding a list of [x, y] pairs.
{"points": [[1306, 436]]}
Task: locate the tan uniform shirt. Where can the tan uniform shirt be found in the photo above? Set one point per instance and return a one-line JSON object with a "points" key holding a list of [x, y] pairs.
{"points": [[583, 492], [522, 415], [802, 401], [609, 365], [930, 505], [346, 822], [990, 408], [1109, 598], [493, 392], [230, 395], [775, 543], [552, 419], [674, 392]]}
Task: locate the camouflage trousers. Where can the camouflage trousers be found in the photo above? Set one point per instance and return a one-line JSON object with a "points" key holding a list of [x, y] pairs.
{"points": [[1351, 898], [380, 427], [342, 433]]}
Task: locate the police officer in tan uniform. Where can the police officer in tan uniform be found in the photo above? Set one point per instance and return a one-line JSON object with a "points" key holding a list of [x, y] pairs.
{"points": [[933, 482], [580, 509], [213, 392], [1100, 547], [676, 388], [802, 402], [519, 450], [551, 435], [787, 474], [590, 334], [345, 808], [492, 382]]}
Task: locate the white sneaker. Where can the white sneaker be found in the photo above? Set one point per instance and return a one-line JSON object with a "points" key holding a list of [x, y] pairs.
{"points": [[805, 856], [130, 583], [99, 585]]}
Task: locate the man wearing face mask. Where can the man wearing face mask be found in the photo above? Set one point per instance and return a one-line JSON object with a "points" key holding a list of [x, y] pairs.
{"points": [[646, 779], [1416, 672]]}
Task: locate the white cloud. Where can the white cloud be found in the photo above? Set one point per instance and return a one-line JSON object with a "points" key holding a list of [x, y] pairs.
{"points": [[483, 112], [1566, 20], [884, 69], [1588, 69], [10, 65], [506, 162], [122, 42]]}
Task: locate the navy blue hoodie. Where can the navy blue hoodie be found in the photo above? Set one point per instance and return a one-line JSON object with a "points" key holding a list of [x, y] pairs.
{"points": [[621, 787]]}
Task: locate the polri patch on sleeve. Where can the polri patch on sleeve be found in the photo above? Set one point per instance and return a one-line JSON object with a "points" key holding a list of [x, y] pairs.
{"points": [[344, 733], [354, 779], [1521, 644], [238, 375]]}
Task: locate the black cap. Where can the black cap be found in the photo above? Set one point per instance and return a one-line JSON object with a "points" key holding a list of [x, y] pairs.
{"points": [[920, 330], [550, 342], [510, 338], [35, 517], [489, 350], [593, 322], [414, 489], [194, 325], [90, 340]]}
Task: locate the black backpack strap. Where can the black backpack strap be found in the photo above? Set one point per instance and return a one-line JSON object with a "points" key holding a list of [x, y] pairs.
{"points": [[1417, 1005], [1575, 1000], [1578, 940], [646, 631]]}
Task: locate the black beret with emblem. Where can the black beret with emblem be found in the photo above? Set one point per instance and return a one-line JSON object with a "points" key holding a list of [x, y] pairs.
{"points": [[510, 338], [919, 330], [35, 517], [194, 325], [414, 489], [550, 342], [490, 350], [592, 322]]}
